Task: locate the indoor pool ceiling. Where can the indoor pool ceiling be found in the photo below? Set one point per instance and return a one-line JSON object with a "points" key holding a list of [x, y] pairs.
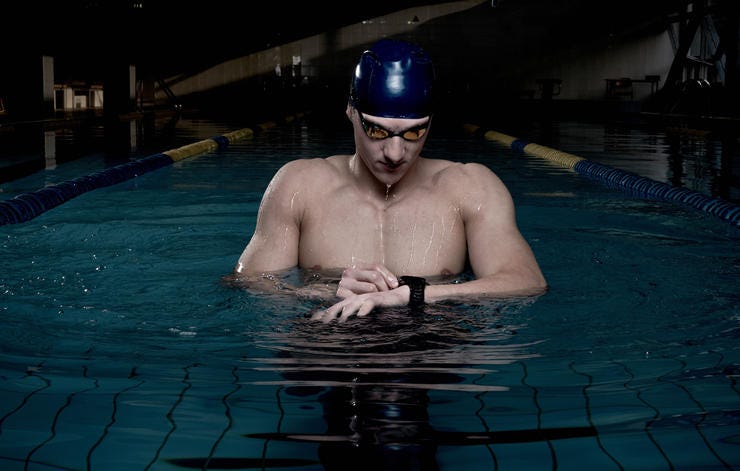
{"points": [[175, 36]]}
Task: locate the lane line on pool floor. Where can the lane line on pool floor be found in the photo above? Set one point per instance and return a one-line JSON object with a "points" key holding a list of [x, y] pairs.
{"points": [[616, 178], [27, 206]]}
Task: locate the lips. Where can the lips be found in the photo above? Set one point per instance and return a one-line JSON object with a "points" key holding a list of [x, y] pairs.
{"points": [[390, 166]]}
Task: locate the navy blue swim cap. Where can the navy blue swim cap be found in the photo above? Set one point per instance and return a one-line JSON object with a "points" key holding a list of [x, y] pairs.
{"points": [[393, 79]]}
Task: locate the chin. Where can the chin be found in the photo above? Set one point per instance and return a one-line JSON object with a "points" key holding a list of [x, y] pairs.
{"points": [[389, 181], [390, 177]]}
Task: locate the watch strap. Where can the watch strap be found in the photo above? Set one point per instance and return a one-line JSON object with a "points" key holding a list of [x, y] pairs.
{"points": [[416, 285]]}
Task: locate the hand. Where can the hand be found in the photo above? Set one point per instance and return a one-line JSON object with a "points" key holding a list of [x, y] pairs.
{"points": [[362, 304], [366, 279]]}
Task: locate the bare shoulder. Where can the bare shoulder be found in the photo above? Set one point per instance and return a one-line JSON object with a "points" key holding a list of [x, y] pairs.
{"points": [[466, 178], [475, 189], [302, 173], [315, 166]]}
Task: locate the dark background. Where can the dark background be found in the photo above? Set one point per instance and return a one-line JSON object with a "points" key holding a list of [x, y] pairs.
{"points": [[171, 37], [488, 48]]}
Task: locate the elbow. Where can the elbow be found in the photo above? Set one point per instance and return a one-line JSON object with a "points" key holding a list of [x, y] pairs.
{"points": [[539, 284], [541, 288], [534, 282]]}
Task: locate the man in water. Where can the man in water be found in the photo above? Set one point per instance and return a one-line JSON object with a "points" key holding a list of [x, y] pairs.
{"points": [[386, 217]]}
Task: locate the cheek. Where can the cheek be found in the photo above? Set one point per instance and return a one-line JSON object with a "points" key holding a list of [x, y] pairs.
{"points": [[366, 147]]}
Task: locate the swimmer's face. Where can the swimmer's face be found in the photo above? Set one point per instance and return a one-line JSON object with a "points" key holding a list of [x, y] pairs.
{"points": [[389, 146]]}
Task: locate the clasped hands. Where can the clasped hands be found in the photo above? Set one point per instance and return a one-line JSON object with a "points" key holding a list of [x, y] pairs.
{"points": [[362, 289]]}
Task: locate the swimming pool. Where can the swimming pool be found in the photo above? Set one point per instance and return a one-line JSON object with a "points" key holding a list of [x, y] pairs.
{"points": [[123, 349]]}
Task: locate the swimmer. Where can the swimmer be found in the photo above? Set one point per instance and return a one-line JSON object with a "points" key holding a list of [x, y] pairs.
{"points": [[385, 217]]}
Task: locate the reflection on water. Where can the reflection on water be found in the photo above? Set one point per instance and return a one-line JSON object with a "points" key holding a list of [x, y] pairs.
{"points": [[705, 162], [26, 148], [373, 376], [50, 150], [364, 391]]}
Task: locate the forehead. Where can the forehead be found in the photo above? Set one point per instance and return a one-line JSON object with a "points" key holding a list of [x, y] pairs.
{"points": [[395, 123]]}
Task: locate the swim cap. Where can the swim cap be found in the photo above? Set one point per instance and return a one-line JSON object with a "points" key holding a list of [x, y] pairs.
{"points": [[393, 79]]}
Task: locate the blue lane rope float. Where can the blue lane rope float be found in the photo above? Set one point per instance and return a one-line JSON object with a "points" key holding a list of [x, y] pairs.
{"points": [[27, 206], [615, 178]]}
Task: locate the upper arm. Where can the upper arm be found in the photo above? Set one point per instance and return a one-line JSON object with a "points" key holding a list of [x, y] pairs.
{"points": [[495, 245], [274, 243]]}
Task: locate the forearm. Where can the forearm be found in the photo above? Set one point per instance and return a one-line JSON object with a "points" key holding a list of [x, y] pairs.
{"points": [[319, 288], [499, 285]]}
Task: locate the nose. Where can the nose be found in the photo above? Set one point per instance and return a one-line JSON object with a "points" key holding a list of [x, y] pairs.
{"points": [[394, 149]]}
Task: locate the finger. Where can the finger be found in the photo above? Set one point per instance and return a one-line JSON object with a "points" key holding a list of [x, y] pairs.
{"points": [[347, 312], [332, 312], [350, 287], [376, 275], [365, 309], [325, 315], [390, 278], [380, 275]]}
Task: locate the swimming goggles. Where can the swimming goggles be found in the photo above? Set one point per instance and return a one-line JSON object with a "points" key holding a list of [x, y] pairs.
{"points": [[378, 132]]}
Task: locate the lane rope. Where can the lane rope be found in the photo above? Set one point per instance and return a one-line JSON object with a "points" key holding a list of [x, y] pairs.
{"points": [[27, 206], [636, 185]]}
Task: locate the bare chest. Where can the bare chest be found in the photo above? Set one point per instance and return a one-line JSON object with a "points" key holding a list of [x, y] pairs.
{"points": [[425, 237]]}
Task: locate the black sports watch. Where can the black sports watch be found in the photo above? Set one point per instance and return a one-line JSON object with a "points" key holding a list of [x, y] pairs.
{"points": [[416, 285]]}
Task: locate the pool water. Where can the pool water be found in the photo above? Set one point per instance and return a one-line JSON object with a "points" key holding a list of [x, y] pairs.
{"points": [[122, 347]]}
